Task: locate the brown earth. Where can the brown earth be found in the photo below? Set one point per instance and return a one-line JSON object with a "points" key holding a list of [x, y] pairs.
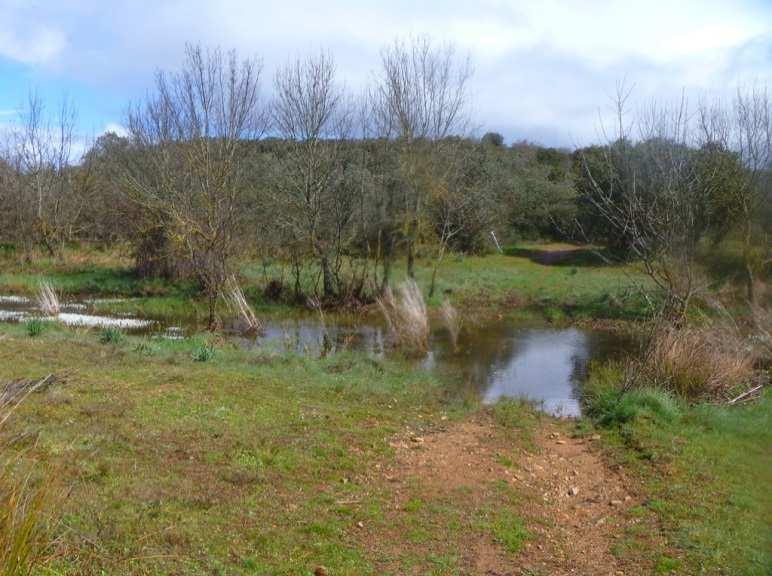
{"points": [[575, 505]]}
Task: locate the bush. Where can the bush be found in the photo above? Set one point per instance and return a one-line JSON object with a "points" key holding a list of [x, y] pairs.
{"points": [[203, 353], [707, 362], [110, 336], [35, 327]]}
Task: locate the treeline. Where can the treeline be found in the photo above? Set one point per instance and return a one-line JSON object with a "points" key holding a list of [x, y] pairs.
{"points": [[348, 184]]}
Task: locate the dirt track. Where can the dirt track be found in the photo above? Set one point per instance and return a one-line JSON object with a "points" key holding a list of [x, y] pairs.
{"points": [[575, 505]]}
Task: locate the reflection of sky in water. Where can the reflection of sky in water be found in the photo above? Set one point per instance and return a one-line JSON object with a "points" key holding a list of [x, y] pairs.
{"points": [[494, 361], [544, 369]]}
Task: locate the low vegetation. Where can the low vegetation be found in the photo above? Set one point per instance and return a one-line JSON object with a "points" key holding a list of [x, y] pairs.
{"points": [[704, 469], [25, 501], [406, 317], [48, 301]]}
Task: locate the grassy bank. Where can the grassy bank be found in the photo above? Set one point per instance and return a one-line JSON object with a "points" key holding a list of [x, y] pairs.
{"points": [[170, 461], [705, 471]]}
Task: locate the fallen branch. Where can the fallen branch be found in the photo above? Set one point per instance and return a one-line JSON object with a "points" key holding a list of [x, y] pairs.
{"points": [[747, 395]]}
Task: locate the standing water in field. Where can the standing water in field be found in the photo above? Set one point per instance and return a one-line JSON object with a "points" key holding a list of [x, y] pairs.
{"points": [[543, 365], [496, 360]]}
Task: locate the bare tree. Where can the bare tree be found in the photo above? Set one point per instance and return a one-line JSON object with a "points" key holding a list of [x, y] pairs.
{"points": [[313, 116], [421, 100], [185, 168], [40, 176], [648, 189], [744, 128]]}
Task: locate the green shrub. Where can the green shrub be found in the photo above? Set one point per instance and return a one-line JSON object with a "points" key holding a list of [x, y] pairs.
{"points": [[203, 353], [609, 404], [35, 327], [110, 336]]}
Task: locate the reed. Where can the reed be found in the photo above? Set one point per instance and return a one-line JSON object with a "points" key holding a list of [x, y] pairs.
{"points": [[48, 300], [238, 304], [406, 317], [452, 320]]}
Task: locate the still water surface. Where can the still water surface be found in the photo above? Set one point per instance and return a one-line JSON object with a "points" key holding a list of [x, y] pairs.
{"points": [[495, 361]]}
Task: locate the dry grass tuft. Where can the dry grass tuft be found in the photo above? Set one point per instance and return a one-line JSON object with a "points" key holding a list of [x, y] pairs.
{"points": [[712, 362], [238, 304], [452, 321], [23, 526], [48, 301], [406, 317]]}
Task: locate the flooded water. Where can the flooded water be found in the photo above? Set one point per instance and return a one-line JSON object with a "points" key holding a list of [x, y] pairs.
{"points": [[500, 360], [21, 309]]}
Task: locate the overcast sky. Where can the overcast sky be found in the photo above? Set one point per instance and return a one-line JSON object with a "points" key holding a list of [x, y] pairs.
{"points": [[544, 70]]}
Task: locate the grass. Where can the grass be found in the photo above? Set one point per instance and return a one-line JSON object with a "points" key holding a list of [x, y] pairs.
{"points": [[110, 336], [250, 463], [712, 361], [35, 327], [495, 282], [706, 471], [203, 352], [25, 505], [186, 457]]}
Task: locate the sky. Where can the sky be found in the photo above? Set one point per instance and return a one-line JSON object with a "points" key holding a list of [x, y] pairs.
{"points": [[544, 70]]}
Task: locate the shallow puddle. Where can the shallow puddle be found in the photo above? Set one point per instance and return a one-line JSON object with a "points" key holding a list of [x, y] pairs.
{"points": [[495, 361]]}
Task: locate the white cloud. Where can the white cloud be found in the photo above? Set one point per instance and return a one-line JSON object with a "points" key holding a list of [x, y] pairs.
{"points": [[115, 128], [26, 38], [543, 67]]}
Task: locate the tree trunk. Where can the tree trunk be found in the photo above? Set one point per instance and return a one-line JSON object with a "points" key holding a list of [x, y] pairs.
{"points": [[410, 259], [438, 262], [212, 322], [327, 277]]}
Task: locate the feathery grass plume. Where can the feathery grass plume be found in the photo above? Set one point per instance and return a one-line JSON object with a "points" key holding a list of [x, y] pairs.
{"points": [[238, 304], [406, 317], [452, 321], [48, 301]]}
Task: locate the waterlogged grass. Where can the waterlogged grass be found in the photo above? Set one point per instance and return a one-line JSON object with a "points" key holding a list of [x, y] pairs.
{"points": [[706, 470]]}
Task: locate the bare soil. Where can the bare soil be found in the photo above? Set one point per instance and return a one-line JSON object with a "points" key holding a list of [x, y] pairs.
{"points": [[574, 503]]}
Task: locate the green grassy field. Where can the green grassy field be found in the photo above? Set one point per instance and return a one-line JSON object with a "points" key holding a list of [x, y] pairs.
{"points": [[579, 287], [243, 464], [199, 457]]}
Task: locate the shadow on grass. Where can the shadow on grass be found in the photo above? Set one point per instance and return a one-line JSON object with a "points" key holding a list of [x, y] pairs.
{"points": [[576, 257]]}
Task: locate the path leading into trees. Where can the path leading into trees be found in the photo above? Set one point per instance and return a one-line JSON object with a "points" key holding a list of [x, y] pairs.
{"points": [[575, 506]]}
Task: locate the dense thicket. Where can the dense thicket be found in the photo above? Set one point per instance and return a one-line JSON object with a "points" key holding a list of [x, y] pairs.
{"points": [[344, 185]]}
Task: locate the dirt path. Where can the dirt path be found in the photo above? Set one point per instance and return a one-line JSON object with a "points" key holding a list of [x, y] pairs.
{"points": [[574, 505]]}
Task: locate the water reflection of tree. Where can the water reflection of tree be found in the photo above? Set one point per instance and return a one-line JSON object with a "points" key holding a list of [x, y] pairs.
{"points": [[484, 353]]}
